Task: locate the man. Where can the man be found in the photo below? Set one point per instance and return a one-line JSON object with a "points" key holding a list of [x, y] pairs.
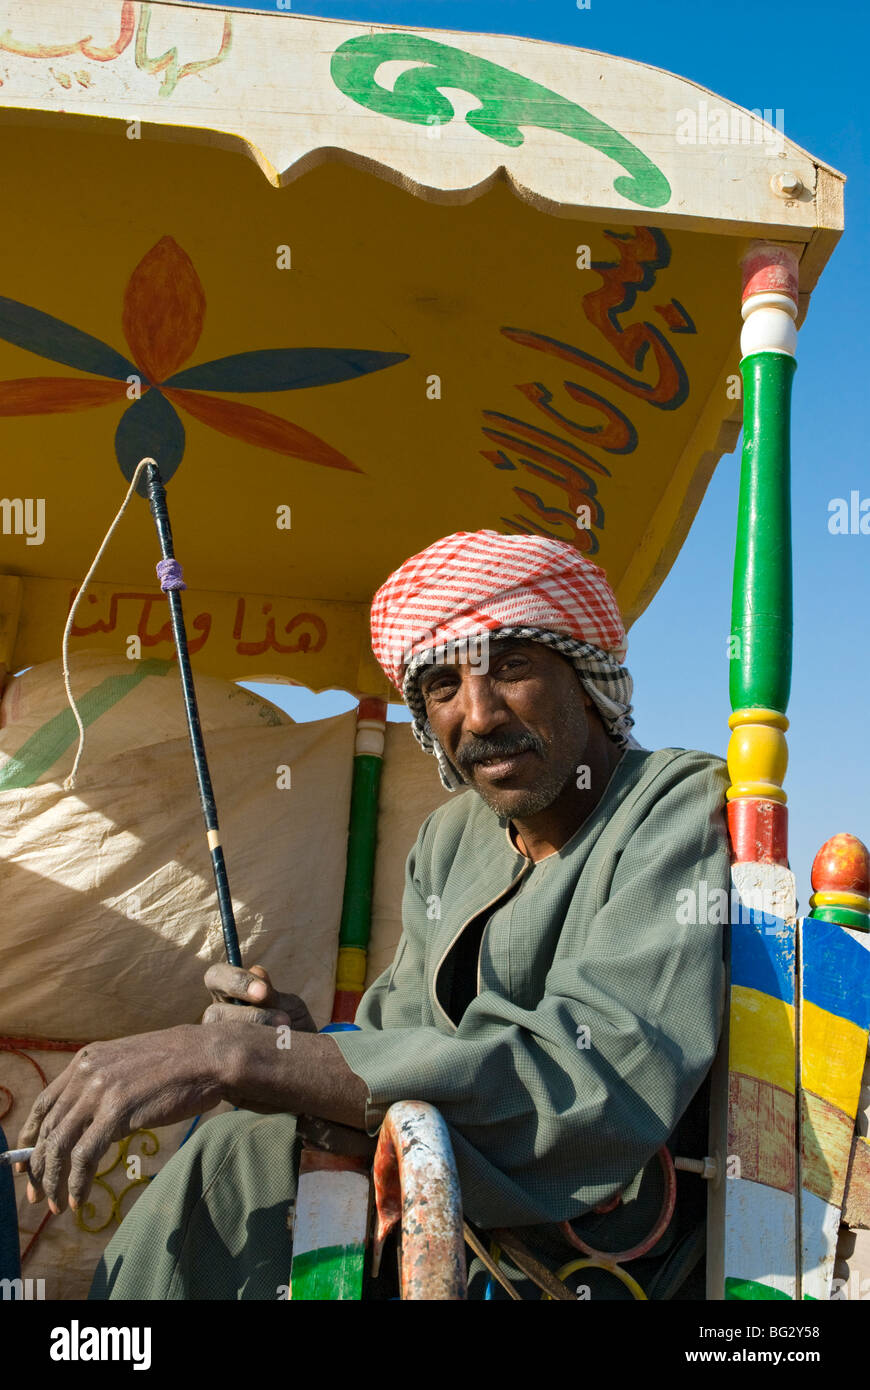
{"points": [[545, 994]]}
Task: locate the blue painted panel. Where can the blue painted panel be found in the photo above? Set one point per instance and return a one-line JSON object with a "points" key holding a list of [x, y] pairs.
{"points": [[836, 971], [763, 954]]}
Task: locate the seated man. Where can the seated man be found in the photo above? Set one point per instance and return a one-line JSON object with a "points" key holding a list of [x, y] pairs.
{"points": [[547, 994]]}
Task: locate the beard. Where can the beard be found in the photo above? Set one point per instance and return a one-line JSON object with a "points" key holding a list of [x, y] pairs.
{"points": [[571, 737], [522, 802]]}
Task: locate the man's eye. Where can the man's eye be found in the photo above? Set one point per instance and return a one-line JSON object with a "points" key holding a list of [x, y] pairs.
{"points": [[439, 689], [513, 666]]}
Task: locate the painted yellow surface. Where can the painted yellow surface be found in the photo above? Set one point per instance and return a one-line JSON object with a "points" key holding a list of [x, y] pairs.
{"points": [[239, 634], [758, 715], [762, 1037], [350, 969], [520, 395], [479, 329], [840, 898], [833, 1051], [757, 754]]}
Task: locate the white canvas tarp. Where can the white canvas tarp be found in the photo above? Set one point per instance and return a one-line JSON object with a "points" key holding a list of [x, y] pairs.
{"points": [[109, 910]]}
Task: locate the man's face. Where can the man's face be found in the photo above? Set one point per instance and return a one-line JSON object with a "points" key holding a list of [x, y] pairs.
{"points": [[516, 732]]}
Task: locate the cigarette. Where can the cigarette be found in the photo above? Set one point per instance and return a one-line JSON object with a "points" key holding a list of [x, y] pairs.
{"points": [[15, 1156]]}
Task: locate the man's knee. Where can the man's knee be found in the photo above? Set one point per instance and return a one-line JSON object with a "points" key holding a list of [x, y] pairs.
{"points": [[213, 1223]]}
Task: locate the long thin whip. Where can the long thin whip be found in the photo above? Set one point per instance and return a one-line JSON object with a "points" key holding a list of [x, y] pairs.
{"points": [[172, 582]]}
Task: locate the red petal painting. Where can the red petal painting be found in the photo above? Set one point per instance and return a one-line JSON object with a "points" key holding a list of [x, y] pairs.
{"points": [[164, 310], [48, 395], [258, 427]]}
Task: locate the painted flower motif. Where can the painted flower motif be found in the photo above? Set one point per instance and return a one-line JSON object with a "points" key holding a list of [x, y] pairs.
{"points": [[162, 320]]}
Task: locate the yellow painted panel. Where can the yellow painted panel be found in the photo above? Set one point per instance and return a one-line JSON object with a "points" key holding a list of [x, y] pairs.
{"points": [[445, 377], [832, 1057], [240, 636], [762, 1037]]}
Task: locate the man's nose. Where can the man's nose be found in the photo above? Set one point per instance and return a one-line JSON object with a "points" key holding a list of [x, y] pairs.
{"points": [[483, 709]]}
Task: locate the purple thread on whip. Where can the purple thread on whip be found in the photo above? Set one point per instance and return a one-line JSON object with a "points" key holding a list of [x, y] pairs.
{"points": [[170, 575]]}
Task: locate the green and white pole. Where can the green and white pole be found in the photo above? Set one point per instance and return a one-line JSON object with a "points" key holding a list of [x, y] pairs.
{"points": [[331, 1220], [761, 615]]}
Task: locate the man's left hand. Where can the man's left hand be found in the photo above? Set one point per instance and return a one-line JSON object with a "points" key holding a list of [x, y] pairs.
{"points": [[265, 1004], [109, 1090]]}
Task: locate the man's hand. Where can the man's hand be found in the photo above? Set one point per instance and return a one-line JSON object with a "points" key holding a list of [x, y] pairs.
{"points": [[110, 1089], [229, 982]]}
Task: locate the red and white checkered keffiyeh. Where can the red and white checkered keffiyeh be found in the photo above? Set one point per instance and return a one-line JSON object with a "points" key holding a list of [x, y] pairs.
{"points": [[481, 582]]}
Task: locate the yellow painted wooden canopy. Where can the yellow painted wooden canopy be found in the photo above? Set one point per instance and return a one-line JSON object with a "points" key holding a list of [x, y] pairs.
{"points": [[355, 287]]}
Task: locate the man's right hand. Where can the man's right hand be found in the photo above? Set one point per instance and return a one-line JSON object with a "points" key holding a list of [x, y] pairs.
{"points": [[265, 1004]]}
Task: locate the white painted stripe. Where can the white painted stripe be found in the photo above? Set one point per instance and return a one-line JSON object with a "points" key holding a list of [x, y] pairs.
{"points": [[370, 739], [331, 1209], [820, 1224], [759, 1234], [768, 330]]}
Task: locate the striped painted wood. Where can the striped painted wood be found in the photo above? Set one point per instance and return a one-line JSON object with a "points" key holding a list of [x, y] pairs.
{"points": [[330, 1228], [751, 1218], [834, 1024]]}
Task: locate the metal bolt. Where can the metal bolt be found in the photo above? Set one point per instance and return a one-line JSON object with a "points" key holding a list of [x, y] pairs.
{"points": [[787, 184]]}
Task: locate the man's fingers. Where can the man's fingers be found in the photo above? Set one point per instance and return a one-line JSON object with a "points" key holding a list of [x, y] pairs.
{"points": [[46, 1113], [85, 1160], [231, 982], [29, 1132], [54, 1169], [235, 1013], [36, 1168], [297, 1011], [54, 1154]]}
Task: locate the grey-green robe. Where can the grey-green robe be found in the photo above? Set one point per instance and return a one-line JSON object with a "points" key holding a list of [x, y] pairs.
{"points": [[545, 1126], [542, 1128]]}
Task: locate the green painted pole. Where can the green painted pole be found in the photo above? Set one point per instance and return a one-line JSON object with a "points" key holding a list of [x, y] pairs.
{"points": [[761, 611], [356, 911]]}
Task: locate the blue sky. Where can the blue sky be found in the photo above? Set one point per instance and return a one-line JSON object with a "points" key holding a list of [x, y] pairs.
{"points": [[809, 61]]}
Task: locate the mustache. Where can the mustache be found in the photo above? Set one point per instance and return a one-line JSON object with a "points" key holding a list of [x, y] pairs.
{"points": [[485, 748]]}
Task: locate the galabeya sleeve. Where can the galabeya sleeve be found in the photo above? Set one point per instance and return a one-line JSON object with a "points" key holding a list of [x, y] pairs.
{"points": [[555, 1108]]}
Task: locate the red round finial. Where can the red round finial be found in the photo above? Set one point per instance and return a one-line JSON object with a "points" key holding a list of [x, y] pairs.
{"points": [[842, 865], [770, 269]]}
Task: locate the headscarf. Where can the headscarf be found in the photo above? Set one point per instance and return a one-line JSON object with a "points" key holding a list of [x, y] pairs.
{"points": [[472, 585]]}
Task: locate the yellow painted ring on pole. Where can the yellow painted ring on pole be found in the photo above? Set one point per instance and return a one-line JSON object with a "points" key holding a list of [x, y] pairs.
{"points": [[837, 897]]}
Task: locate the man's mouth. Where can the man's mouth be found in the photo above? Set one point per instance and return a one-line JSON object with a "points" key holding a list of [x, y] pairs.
{"points": [[501, 764]]}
